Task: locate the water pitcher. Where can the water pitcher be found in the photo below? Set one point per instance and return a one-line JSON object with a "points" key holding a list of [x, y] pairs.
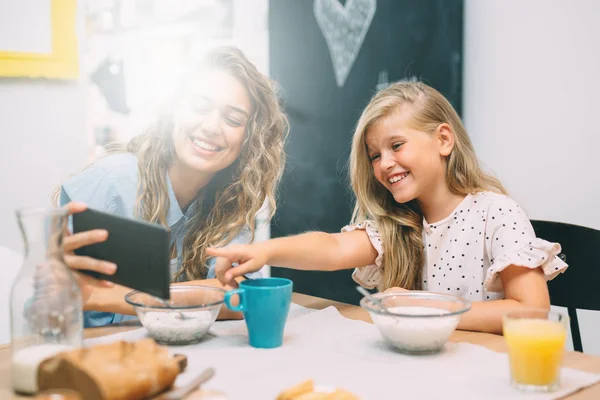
{"points": [[46, 304]]}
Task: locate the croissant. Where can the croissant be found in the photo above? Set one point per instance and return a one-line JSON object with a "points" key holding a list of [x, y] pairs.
{"points": [[305, 391]]}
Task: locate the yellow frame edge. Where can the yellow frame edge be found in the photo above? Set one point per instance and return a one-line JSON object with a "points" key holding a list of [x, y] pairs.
{"points": [[63, 63]]}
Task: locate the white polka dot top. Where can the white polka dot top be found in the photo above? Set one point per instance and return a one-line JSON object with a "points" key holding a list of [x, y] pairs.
{"points": [[464, 252]]}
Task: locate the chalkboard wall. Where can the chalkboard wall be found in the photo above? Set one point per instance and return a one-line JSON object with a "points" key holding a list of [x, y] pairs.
{"points": [[324, 93]]}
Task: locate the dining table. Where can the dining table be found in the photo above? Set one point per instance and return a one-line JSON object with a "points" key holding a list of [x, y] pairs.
{"points": [[572, 359]]}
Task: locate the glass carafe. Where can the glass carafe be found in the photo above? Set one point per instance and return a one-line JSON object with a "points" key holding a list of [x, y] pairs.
{"points": [[46, 305]]}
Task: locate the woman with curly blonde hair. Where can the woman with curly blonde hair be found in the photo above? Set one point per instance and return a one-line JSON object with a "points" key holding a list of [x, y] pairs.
{"points": [[204, 170]]}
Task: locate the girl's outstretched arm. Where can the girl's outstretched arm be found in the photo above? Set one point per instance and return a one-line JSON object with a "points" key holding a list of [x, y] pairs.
{"points": [[308, 251]]}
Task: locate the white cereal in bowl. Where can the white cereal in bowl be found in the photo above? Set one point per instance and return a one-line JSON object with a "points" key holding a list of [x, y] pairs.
{"points": [[414, 334], [171, 328]]}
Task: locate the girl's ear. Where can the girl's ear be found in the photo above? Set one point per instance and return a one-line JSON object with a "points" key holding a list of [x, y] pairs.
{"points": [[445, 137]]}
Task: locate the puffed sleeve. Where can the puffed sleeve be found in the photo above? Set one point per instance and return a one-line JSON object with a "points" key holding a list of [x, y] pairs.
{"points": [[510, 240], [369, 276]]}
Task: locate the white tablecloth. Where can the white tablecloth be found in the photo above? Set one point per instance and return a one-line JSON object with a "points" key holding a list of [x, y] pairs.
{"points": [[339, 352]]}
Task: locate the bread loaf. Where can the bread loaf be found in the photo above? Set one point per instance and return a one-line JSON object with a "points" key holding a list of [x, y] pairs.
{"points": [[120, 370]]}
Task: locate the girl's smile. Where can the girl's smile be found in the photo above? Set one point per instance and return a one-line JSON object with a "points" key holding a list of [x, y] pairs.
{"points": [[397, 178]]}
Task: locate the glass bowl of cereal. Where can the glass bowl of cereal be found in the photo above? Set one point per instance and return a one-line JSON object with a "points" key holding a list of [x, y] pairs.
{"points": [[183, 319], [416, 322]]}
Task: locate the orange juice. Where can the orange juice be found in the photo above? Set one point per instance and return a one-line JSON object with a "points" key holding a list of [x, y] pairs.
{"points": [[535, 348]]}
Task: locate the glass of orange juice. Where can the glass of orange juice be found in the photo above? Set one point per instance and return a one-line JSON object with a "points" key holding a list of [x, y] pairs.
{"points": [[536, 343]]}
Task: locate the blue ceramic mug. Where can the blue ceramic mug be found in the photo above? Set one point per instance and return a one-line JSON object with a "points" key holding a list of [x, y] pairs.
{"points": [[265, 304]]}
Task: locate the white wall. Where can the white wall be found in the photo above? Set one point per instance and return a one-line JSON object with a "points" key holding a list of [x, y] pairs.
{"points": [[531, 84], [42, 133], [42, 141]]}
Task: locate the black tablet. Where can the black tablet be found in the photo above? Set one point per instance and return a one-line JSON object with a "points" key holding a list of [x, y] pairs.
{"points": [[140, 250]]}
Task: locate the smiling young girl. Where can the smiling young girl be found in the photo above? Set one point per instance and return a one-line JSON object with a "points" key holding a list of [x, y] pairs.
{"points": [[427, 217]]}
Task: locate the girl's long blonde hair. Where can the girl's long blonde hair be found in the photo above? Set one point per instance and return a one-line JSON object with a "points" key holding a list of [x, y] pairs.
{"points": [[401, 225], [230, 202]]}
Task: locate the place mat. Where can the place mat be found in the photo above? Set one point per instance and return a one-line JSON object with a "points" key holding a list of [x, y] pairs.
{"points": [[339, 352]]}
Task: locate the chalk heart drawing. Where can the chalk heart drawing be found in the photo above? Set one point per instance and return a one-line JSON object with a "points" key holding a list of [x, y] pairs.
{"points": [[344, 28]]}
